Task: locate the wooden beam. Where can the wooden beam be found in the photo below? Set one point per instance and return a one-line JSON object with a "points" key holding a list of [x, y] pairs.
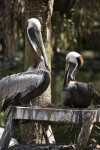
{"points": [[8, 133], [86, 129], [55, 115]]}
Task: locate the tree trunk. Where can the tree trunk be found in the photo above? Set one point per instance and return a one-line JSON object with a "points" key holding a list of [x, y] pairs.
{"points": [[42, 10], [8, 27]]}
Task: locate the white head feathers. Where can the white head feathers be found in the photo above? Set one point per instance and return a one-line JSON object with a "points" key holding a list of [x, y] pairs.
{"points": [[71, 57], [33, 22]]}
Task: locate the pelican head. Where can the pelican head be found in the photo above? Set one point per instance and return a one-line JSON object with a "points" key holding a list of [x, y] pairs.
{"points": [[74, 61], [75, 58], [35, 37]]}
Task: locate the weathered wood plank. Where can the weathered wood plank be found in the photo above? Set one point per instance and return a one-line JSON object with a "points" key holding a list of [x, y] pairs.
{"points": [[8, 133], [53, 114], [86, 128]]}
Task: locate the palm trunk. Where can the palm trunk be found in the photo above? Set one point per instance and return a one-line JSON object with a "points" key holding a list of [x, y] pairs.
{"points": [[42, 10]]}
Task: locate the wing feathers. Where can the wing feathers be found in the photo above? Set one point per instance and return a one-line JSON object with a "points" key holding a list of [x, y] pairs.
{"points": [[19, 83], [16, 89], [10, 100]]}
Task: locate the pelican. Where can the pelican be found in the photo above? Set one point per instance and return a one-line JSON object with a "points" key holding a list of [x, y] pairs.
{"points": [[21, 88], [73, 93]]}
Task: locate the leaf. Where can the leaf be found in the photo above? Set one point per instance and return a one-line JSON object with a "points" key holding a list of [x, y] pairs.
{"points": [[69, 20]]}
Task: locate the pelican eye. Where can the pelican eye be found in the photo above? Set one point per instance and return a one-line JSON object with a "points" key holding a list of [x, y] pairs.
{"points": [[36, 28], [67, 60]]}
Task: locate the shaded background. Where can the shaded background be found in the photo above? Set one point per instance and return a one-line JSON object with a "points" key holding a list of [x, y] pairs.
{"points": [[75, 27]]}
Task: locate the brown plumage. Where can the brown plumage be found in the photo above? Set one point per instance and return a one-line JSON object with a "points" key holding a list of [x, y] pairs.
{"points": [[77, 94]]}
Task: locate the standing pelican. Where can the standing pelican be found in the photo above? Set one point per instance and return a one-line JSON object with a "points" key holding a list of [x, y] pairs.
{"points": [[74, 93], [19, 89]]}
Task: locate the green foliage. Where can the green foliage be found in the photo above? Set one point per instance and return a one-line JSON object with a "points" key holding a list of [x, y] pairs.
{"points": [[3, 119], [11, 66], [64, 133], [20, 39], [57, 82]]}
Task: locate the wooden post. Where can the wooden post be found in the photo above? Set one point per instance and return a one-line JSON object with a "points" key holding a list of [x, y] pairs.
{"points": [[8, 133], [48, 134], [86, 128]]}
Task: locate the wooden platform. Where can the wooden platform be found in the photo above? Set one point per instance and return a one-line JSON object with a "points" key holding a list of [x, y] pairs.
{"points": [[55, 115], [52, 115]]}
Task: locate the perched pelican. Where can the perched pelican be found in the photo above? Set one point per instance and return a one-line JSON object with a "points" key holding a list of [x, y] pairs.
{"points": [[19, 89], [77, 94]]}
